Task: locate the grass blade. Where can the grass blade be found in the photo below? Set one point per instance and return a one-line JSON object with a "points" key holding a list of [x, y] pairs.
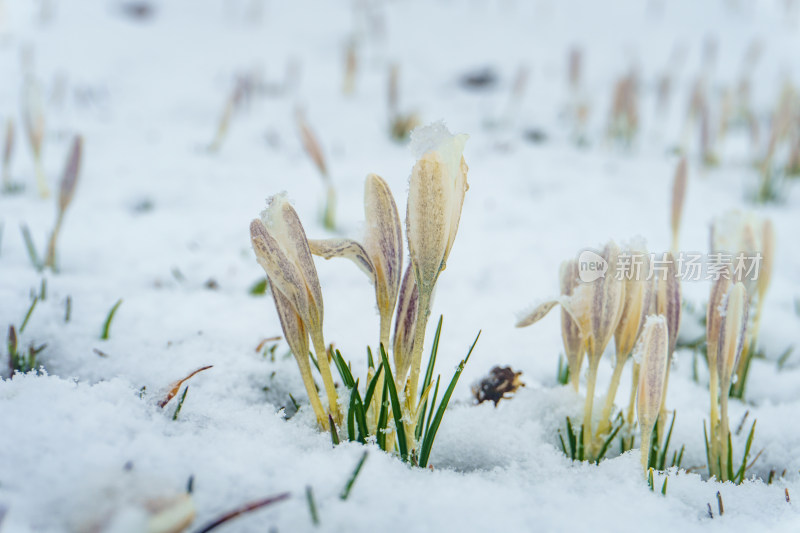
{"points": [[109, 318], [30, 247], [348, 487], [180, 403], [312, 506], [28, 314]]}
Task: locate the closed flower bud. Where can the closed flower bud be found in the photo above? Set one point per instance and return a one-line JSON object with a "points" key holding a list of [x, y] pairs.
{"points": [[381, 255], [678, 197], [435, 197], [296, 335], [70, 177], [384, 244], [282, 250], [767, 258], [653, 356], [668, 299], [404, 325], [635, 308], [732, 332], [714, 318], [606, 305]]}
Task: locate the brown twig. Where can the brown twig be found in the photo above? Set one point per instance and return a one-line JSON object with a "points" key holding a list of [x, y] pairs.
{"points": [[246, 508]]}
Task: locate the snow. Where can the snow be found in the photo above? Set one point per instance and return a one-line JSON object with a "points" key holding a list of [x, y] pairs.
{"points": [[156, 216]]}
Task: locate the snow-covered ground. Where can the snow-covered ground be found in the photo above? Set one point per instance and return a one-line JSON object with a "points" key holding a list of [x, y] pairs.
{"points": [[157, 217]]}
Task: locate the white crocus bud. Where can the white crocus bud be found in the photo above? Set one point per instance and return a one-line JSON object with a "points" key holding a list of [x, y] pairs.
{"points": [[652, 353], [281, 249], [381, 255], [731, 332], [435, 197], [384, 244]]}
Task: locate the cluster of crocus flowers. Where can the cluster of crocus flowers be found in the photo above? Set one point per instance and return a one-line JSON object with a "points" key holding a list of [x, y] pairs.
{"points": [[615, 305], [745, 243], [436, 195]]}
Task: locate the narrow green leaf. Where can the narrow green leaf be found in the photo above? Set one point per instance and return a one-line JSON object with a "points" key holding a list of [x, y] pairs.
{"points": [[344, 370], [180, 403], [370, 360], [28, 314], [708, 451], [730, 458], [259, 288], [397, 409], [314, 360], [30, 247], [109, 318], [571, 438], [430, 435], [351, 419], [563, 446], [312, 506], [371, 386], [432, 359], [348, 487], [433, 404], [606, 444], [383, 417], [743, 468], [662, 459], [360, 415], [334, 434]]}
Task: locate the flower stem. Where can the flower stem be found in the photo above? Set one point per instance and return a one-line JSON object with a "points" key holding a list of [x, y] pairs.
{"points": [[587, 409], [723, 435], [50, 260], [605, 419], [311, 390], [327, 377], [647, 434], [423, 312], [713, 445], [41, 181]]}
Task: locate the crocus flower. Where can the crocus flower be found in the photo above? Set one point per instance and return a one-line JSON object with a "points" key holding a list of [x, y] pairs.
{"points": [[381, 254], [653, 355], [435, 197], [281, 249]]}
